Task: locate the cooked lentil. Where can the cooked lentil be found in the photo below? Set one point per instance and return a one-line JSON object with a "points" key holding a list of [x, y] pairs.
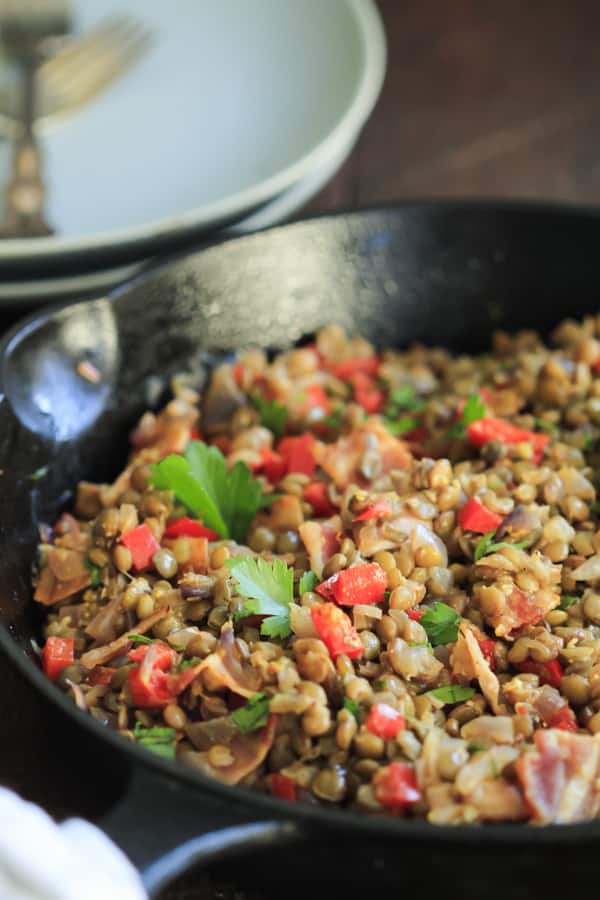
{"points": [[500, 711]]}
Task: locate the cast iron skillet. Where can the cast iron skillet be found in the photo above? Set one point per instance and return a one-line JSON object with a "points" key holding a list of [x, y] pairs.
{"points": [[442, 273]]}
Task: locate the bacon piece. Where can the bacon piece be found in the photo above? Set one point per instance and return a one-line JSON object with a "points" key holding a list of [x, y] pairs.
{"points": [[50, 590], [100, 655], [321, 541], [226, 670], [102, 627], [559, 777], [468, 662], [341, 460]]}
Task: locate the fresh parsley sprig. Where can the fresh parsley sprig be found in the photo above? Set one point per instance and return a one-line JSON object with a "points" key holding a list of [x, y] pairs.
{"points": [[403, 399], [226, 500], [308, 582], [441, 624], [273, 415], [452, 693], [269, 588], [486, 545], [252, 715], [473, 410]]}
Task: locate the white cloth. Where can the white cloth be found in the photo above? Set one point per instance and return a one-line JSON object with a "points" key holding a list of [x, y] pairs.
{"points": [[40, 860]]}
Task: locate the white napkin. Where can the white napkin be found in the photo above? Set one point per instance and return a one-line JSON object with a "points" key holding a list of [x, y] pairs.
{"points": [[40, 860]]}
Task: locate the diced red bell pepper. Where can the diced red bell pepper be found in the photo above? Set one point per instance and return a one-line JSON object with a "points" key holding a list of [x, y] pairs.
{"points": [[415, 614], [58, 653], [273, 465], [366, 393], [316, 493], [487, 646], [101, 675], [149, 683], [336, 631], [365, 365], [315, 398], [385, 721], [548, 672], [196, 434], [474, 516], [377, 510], [283, 787], [298, 454], [142, 545], [237, 371], [187, 527], [564, 720], [490, 429], [365, 583], [396, 787]]}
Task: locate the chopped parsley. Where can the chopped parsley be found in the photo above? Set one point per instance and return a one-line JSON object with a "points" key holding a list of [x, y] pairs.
{"points": [[403, 399], [486, 545], [140, 639], [273, 415], [269, 588], [441, 624], [402, 426], [567, 600], [473, 410], [188, 663], [352, 706], [252, 715], [226, 501], [452, 693], [158, 740], [308, 582], [95, 572], [334, 419], [543, 425]]}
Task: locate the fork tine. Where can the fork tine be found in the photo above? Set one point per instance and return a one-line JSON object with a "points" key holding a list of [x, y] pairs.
{"points": [[73, 59], [101, 71]]}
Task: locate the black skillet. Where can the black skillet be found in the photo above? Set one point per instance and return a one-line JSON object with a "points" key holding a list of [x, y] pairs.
{"points": [[444, 274]]}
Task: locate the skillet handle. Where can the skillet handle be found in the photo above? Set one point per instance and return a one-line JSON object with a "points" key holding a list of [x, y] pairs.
{"points": [[165, 827]]}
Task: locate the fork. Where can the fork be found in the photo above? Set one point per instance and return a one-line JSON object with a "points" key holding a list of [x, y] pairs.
{"points": [[24, 25], [80, 70]]}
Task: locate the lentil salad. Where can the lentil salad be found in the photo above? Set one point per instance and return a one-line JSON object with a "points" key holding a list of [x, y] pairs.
{"points": [[353, 578]]}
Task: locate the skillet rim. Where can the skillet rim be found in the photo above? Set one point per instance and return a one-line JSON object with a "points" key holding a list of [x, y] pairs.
{"points": [[348, 821]]}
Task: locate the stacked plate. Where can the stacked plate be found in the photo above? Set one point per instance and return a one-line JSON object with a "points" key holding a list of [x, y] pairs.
{"points": [[237, 115]]}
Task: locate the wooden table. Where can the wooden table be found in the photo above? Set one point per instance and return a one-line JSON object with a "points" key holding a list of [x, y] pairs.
{"points": [[481, 99]]}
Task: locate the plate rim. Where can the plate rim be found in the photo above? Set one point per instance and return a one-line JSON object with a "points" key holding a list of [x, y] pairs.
{"points": [[173, 229]]}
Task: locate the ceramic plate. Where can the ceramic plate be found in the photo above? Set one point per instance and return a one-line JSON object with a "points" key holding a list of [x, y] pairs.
{"points": [[233, 105]]}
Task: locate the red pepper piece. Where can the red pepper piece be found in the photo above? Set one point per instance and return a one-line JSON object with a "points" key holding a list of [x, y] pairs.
{"points": [[58, 653], [377, 510], [487, 646], [365, 583], [142, 545], [385, 721], [283, 787], [474, 516], [564, 719], [548, 672], [336, 631], [316, 493], [186, 527], [149, 683], [101, 675], [196, 434], [237, 370], [490, 429], [315, 398], [396, 787], [298, 454], [366, 393], [365, 365], [415, 614], [273, 465]]}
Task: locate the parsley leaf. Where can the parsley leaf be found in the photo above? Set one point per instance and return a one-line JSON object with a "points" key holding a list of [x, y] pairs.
{"points": [[273, 415], [452, 693], [227, 501], [406, 398], [473, 410], [352, 706], [543, 425], [334, 419], [441, 624], [486, 545], [308, 582], [158, 740], [252, 715], [140, 639], [96, 581], [188, 663], [567, 601], [269, 588], [406, 423]]}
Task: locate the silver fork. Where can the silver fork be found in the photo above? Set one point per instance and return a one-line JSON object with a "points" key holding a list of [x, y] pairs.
{"points": [[24, 26], [81, 69]]}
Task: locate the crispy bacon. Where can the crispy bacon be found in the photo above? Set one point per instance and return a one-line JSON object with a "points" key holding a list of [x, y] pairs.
{"points": [[341, 460], [321, 541], [98, 656], [225, 670]]}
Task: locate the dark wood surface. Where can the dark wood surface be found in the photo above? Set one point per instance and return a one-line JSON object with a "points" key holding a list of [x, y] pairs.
{"points": [[481, 99]]}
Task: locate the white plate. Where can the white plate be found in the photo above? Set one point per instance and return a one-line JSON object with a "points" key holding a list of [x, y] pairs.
{"points": [[273, 213], [236, 102]]}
